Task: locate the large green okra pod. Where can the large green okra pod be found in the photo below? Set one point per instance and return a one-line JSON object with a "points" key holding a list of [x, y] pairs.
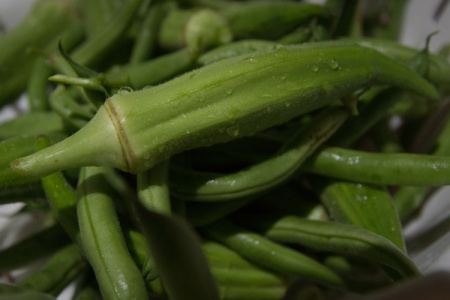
{"points": [[226, 100]]}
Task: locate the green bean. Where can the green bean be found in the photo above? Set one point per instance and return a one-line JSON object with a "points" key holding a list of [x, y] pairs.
{"points": [[380, 168], [61, 197], [363, 205], [347, 20], [62, 268], [255, 20], [99, 13], [25, 295], [64, 102], [102, 240], [93, 49], [16, 147], [261, 251], [32, 248], [145, 43], [151, 72], [32, 123], [261, 177], [340, 238], [407, 199], [38, 84], [28, 193], [15, 63], [189, 123]]}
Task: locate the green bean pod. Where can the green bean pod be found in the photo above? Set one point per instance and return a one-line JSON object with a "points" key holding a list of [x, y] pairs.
{"points": [[16, 147], [363, 205], [220, 102], [32, 123], [258, 178], [62, 268], [102, 240], [380, 168], [340, 238], [15, 63], [32, 248], [257, 19], [266, 253]]}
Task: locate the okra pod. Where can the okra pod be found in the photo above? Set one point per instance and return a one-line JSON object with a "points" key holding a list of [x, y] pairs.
{"points": [[220, 102]]}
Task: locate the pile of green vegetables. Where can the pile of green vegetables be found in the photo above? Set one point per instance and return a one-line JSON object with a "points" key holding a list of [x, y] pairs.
{"points": [[218, 149]]}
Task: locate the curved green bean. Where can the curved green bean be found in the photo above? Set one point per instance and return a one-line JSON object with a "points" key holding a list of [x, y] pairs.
{"points": [[265, 175], [380, 168], [340, 238], [260, 250]]}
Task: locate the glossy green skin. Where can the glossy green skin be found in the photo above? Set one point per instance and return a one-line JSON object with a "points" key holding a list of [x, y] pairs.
{"points": [[341, 238], [266, 253], [102, 240], [220, 102], [380, 168]]}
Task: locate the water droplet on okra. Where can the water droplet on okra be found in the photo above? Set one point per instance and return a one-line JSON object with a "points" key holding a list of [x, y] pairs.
{"points": [[229, 91], [333, 64], [124, 90], [233, 131], [315, 68]]}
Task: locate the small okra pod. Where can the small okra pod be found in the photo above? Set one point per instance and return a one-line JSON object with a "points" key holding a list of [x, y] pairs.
{"points": [[340, 238], [271, 255], [380, 168], [202, 186], [220, 102]]}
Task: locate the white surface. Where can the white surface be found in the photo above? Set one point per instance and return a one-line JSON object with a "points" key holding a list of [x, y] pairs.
{"points": [[418, 25]]}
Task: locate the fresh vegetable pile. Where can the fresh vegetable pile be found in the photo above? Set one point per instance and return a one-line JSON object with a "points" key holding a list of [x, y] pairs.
{"points": [[204, 149]]}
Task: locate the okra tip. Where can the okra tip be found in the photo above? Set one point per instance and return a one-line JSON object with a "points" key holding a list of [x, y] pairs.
{"points": [[96, 144]]}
